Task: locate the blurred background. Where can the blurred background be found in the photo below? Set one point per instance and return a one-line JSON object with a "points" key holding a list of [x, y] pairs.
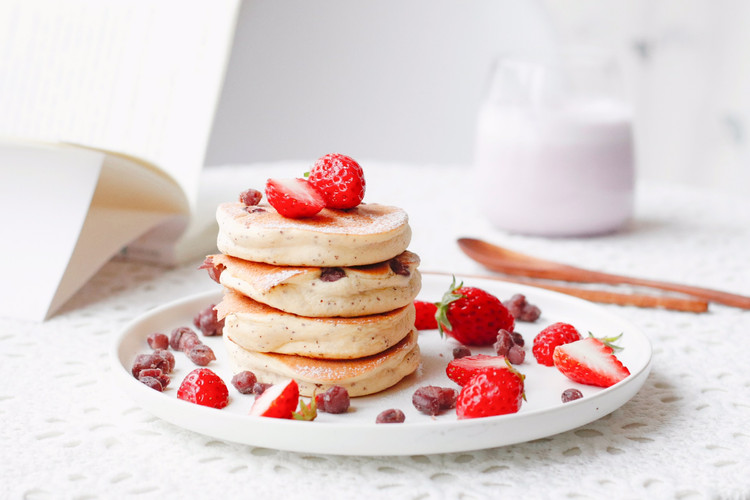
{"points": [[401, 80]]}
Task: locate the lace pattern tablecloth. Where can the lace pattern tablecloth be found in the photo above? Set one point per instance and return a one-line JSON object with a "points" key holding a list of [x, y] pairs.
{"points": [[68, 433]]}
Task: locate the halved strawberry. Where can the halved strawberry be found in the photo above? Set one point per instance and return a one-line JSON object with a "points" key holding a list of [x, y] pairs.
{"points": [[589, 361], [278, 401], [294, 198], [492, 392], [461, 370]]}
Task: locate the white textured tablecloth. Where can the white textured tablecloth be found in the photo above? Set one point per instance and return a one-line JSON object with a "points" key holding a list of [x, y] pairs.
{"points": [[67, 432]]}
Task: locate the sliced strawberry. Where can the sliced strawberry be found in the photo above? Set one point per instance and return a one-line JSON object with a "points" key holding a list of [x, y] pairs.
{"points": [[497, 391], [294, 198], [203, 387], [461, 370], [589, 361], [278, 401], [425, 315]]}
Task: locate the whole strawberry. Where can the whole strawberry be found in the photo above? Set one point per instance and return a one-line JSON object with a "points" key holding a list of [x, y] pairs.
{"points": [[554, 335], [339, 179], [472, 316], [294, 198], [203, 387], [425, 319], [494, 392], [590, 361]]}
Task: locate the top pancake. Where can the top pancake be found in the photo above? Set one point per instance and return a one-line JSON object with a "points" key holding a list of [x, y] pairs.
{"points": [[367, 234]]}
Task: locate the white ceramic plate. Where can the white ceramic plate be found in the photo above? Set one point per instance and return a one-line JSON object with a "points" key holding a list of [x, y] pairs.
{"points": [[355, 432]]}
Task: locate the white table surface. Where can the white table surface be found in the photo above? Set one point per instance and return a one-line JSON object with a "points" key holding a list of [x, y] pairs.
{"points": [[68, 432]]}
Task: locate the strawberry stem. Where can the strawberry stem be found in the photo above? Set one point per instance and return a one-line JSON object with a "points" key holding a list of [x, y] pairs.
{"points": [[609, 341], [441, 315], [306, 412]]}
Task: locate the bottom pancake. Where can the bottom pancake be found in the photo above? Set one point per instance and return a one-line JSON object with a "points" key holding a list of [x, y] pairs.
{"points": [[360, 377]]}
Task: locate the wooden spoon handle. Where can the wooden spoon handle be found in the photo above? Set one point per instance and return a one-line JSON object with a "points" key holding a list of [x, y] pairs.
{"points": [[575, 274], [515, 264], [603, 296]]}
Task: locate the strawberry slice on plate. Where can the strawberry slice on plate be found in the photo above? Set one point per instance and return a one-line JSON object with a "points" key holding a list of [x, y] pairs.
{"points": [[461, 370], [589, 361], [497, 391], [294, 198], [278, 401]]}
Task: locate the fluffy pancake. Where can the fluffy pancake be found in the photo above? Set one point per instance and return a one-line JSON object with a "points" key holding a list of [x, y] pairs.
{"points": [[366, 234], [359, 377], [323, 292], [258, 327]]}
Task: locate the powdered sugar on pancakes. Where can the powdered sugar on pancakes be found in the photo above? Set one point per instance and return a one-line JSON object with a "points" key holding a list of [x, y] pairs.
{"points": [[362, 220], [367, 234]]}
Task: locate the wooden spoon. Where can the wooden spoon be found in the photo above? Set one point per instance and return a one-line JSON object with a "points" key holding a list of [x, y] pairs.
{"points": [[514, 263]]}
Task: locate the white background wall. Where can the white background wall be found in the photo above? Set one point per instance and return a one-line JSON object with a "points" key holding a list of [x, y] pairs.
{"points": [[400, 80]]}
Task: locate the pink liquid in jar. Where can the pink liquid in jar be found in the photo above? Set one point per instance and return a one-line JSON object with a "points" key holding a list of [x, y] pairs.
{"points": [[565, 171]]}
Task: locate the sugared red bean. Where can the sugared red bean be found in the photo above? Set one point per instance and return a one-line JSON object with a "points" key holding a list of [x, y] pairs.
{"points": [[160, 358], [251, 197], [390, 416], [188, 340], [517, 339], [521, 309], [333, 400], [259, 388], [156, 373], [143, 362], [157, 341], [201, 354], [398, 267], [152, 383], [244, 382], [176, 335], [503, 343], [214, 270], [432, 399], [331, 274], [164, 360], [461, 352], [208, 323], [570, 395], [516, 354]]}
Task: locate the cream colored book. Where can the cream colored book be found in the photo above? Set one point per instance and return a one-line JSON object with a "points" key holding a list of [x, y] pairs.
{"points": [[106, 110]]}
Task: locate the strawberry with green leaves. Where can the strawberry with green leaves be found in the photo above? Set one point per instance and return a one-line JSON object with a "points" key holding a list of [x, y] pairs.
{"points": [[497, 391], [590, 361], [472, 316]]}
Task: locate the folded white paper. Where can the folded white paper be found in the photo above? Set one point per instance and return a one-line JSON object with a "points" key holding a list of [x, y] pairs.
{"points": [[107, 108]]}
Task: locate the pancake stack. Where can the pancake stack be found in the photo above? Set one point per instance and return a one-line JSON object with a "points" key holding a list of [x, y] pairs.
{"points": [[326, 300]]}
